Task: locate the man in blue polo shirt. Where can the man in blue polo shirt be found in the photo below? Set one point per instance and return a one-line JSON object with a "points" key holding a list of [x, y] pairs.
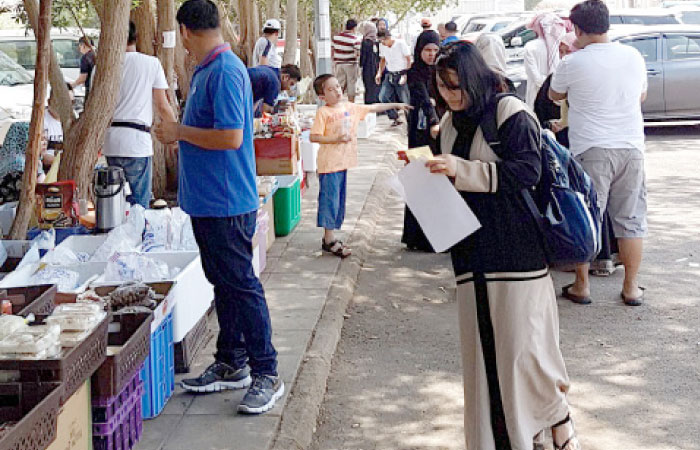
{"points": [[217, 188], [266, 87]]}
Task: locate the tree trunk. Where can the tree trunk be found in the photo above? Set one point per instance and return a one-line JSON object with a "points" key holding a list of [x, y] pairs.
{"points": [[184, 67], [168, 162], [305, 63], [272, 10], [144, 19], [291, 33], [87, 135], [58, 83], [27, 197], [248, 22]]}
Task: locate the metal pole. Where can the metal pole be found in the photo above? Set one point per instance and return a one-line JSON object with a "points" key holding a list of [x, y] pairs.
{"points": [[322, 35]]}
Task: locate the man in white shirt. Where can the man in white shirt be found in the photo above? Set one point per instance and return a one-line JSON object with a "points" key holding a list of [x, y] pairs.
{"points": [[128, 143], [265, 51], [396, 59], [605, 83]]}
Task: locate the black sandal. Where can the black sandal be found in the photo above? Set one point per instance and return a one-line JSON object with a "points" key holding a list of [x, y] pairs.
{"points": [[336, 248], [572, 443]]}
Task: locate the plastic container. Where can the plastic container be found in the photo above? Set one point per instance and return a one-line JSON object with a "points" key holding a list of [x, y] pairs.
{"points": [[122, 420], [134, 338], [73, 367], [35, 409], [37, 299], [287, 203], [158, 372], [187, 349]]}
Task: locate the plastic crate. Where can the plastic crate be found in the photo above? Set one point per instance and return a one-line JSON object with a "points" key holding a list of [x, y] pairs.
{"points": [[158, 372], [37, 418], [107, 410], [37, 299], [287, 205], [123, 430], [187, 349], [133, 336], [75, 365]]}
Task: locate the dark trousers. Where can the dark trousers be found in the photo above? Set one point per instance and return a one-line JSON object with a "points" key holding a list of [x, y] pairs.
{"points": [[226, 247]]}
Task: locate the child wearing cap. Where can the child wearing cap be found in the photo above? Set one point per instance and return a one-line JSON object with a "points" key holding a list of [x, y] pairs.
{"points": [[265, 51], [335, 128]]}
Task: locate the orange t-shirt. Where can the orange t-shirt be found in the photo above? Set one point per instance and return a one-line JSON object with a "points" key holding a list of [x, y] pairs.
{"points": [[329, 122]]}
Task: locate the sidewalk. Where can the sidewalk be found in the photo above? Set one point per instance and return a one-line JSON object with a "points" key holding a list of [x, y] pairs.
{"points": [[297, 282]]}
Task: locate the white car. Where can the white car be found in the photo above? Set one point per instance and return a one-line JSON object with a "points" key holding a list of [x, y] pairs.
{"points": [[16, 90], [477, 27]]}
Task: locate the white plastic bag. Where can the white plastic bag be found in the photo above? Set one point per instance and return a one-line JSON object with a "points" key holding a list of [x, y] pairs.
{"points": [[61, 256], [31, 257], [67, 280], [3, 254], [46, 240], [135, 267], [125, 238], [182, 234], [157, 236]]}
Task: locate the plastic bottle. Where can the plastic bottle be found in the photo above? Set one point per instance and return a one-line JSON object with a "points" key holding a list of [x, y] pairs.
{"points": [[346, 123]]}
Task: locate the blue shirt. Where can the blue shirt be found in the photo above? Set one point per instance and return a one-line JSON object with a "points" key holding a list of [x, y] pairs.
{"points": [[219, 183], [449, 39], [266, 84]]}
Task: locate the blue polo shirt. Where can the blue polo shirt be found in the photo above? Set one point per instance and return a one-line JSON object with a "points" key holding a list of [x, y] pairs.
{"points": [[449, 39], [219, 183], [266, 84]]}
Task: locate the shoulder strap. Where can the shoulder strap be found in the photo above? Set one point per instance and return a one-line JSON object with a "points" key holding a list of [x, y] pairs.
{"points": [[267, 47], [489, 123]]}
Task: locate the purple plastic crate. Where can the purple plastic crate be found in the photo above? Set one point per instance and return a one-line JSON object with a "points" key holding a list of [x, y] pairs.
{"points": [[125, 434], [110, 409], [123, 415]]}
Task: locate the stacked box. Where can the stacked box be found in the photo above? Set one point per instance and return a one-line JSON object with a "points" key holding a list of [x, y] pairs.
{"points": [[158, 372], [117, 421]]}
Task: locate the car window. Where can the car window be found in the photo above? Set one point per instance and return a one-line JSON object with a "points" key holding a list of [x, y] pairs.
{"points": [[67, 53], [500, 26], [649, 20], [691, 17], [475, 26], [12, 74], [21, 52], [646, 46], [615, 20], [682, 47]]}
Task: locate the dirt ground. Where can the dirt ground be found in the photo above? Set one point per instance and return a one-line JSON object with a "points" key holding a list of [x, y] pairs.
{"points": [[635, 372]]}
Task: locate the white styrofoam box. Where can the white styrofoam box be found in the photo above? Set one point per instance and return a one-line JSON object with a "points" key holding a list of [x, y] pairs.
{"points": [[366, 127], [7, 216], [256, 260], [86, 274], [191, 295], [83, 244], [306, 108], [16, 249], [309, 155]]}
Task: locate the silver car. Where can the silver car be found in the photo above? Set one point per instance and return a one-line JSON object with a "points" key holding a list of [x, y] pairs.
{"points": [[672, 56]]}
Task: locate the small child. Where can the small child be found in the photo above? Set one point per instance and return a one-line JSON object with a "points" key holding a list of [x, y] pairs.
{"points": [[335, 128]]}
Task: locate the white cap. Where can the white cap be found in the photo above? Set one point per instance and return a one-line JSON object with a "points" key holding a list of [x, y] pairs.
{"points": [[273, 24]]}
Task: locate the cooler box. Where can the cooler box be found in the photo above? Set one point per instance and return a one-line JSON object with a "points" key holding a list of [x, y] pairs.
{"points": [[287, 205], [309, 153]]}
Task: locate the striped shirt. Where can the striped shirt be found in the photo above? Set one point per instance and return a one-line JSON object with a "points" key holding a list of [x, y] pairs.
{"points": [[346, 47]]}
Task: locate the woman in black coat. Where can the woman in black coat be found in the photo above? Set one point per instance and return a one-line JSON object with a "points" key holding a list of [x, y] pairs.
{"points": [[420, 120], [369, 62]]}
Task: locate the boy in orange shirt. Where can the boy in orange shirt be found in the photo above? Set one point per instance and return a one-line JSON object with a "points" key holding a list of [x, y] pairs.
{"points": [[335, 128]]}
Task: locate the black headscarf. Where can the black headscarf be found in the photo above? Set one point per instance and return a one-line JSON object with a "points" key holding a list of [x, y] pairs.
{"points": [[420, 70]]}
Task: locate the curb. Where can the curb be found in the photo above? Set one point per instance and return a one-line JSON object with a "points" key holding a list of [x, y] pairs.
{"points": [[300, 415]]}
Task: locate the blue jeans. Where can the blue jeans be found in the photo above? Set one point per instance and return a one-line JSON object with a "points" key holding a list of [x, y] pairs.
{"points": [[331, 199], [245, 336], [394, 92], [139, 174]]}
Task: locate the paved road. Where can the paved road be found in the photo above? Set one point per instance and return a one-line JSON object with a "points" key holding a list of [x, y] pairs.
{"points": [[396, 381]]}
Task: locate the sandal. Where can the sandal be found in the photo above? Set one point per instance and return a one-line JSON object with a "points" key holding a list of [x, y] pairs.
{"points": [[336, 248], [579, 299], [572, 443], [637, 301]]}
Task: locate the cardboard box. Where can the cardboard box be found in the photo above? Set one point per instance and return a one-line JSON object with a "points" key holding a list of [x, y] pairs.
{"points": [[269, 208], [277, 156], [75, 422]]}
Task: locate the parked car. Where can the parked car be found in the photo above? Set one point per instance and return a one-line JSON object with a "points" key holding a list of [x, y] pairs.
{"points": [[689, 15], [643, 17], [16, 90], [672, 56], [487, 25]]}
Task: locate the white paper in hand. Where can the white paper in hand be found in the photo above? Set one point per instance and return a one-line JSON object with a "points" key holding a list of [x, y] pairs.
{"points": [[441, 212]]}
